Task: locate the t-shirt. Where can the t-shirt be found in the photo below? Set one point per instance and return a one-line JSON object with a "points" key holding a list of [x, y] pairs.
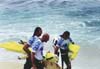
{"points": [[37, 48], [63, 44], [32, 40]]}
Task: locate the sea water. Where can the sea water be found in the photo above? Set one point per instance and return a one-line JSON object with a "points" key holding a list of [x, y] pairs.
{"points": [[19, 18]]}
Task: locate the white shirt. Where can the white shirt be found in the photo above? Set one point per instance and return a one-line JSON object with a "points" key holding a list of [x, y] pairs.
{"points": [[37, 48], [63, 44], [32, 40]]}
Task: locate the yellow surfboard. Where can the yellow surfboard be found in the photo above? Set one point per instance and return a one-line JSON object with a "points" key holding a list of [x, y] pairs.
{"points": [[13, 46], [16, 47], [74, 49]]}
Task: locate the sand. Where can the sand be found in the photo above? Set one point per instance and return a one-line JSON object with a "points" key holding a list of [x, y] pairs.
{"points": [[11, 65]]}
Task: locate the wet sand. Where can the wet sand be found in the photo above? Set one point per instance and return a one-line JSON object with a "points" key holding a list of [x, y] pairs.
{"points": [[11, 65]]}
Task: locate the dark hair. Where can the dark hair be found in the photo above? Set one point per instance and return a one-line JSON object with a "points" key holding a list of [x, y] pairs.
{"points": [[36, 31], [67, 33]]}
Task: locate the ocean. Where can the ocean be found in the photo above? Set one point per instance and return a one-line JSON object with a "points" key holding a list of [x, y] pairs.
{"points": [[19, 18]]}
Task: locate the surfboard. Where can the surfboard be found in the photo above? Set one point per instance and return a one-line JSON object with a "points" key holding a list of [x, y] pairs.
{"points": [[13, 46], [17, 47], [74, 49]]}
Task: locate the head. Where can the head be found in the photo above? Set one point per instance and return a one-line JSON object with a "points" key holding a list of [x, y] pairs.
{"points": [[66, 35], [45, 37], [37, 32]]}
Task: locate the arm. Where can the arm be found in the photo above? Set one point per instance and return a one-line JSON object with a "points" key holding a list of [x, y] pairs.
{"points": [[56, 47], [25, 48], [32, 59], [71, 41], [56, 50], [55, 42], [27, 45]]}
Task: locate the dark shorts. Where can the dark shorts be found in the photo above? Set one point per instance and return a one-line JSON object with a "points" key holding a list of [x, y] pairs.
{"points": [[28, 64], [39, 64]]}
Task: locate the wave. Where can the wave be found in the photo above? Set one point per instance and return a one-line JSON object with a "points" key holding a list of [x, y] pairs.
{"points": [[58, 3], [69, 5], [93, 23], [82, 14]]}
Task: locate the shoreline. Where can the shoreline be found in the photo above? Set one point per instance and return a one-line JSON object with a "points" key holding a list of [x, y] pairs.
{"points": [[10, 65]]}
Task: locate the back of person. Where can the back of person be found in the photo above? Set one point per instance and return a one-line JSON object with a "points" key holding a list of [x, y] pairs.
{"points": [[62, 43], [37, 47], [35, 37], [37, 52]]}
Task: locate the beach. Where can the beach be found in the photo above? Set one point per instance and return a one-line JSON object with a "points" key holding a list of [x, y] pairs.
{"points": [[11, 65]]}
